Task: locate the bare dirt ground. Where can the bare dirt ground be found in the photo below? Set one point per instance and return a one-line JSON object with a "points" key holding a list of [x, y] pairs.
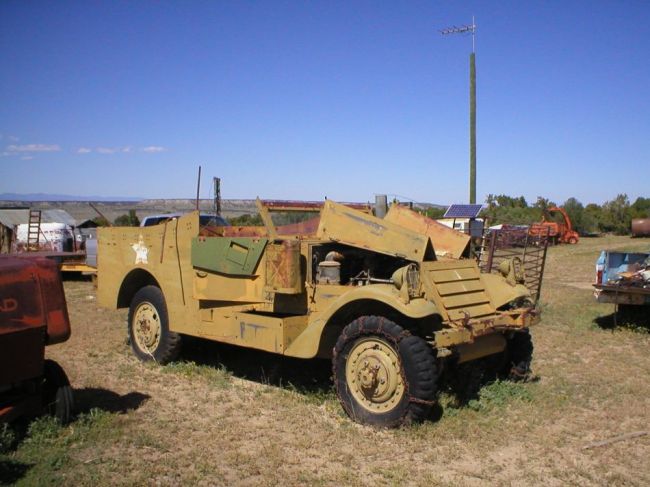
{"points": [[226, 416]]}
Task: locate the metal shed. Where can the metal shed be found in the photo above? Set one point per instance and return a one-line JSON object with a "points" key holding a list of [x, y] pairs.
{"points": [[10, 218]]}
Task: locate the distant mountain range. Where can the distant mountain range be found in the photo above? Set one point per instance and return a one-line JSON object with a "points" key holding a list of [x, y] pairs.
{"points": [[61, 197]]}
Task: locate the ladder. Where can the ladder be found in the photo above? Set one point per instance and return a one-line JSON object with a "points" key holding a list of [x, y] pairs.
{"points": [[33, 230]]}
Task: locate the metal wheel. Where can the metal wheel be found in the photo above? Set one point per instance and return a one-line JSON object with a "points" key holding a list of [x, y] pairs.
{"points": [[373, 372], [383, 375], [146, 326]]}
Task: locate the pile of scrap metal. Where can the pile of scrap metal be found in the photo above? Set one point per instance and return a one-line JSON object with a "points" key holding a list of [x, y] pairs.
{"points": [[623, 278], [637, 275]]}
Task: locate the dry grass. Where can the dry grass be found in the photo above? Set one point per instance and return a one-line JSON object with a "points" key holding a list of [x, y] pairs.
{"points": [[226, 416]]}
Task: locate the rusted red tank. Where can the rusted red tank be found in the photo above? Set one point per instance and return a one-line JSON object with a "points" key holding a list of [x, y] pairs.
{"points": [[641, 227], [33, 314]]}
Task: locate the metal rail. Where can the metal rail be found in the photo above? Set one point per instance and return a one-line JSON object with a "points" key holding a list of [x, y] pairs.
{"points": [[507, 243]]}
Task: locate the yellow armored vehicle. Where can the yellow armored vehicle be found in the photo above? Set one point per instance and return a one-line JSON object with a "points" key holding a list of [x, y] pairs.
{"points": [[374, 295]]}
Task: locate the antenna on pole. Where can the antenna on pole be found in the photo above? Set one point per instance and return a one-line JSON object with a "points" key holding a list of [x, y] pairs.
{"points": [[463, 29]]}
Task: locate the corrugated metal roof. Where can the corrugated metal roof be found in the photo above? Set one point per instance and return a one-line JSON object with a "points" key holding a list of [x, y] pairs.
{"points": [[12, 217]]}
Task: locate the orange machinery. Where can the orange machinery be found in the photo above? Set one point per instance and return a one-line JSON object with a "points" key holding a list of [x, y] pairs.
{"points": [[558, 232]]}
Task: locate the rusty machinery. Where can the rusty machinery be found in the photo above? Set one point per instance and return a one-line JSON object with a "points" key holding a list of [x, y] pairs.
{"points": [[33, 314], [558, 232]]}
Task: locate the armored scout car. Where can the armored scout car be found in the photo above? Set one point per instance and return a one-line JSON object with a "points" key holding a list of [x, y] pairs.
{"points": [[374, 295]]}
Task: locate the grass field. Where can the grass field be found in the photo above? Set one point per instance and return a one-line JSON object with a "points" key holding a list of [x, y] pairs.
{"points": [[227, 416]]}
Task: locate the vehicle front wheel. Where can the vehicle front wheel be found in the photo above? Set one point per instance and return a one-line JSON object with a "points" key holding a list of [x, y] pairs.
{"points": [[149, 327], [58, 400], [384, 376]]}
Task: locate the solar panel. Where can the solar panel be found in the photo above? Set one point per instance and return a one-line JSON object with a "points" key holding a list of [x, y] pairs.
{"points": [[463, 211]]}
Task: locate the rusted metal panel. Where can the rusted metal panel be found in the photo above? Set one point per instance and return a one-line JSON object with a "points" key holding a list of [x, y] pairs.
{"points": [[33, 289], [23, 350], [292, 205], [283, 267], [342, 224], [446, 241], [33, 313]]}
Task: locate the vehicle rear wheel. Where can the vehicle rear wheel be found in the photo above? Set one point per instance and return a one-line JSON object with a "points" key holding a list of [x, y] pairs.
{"points": [[57, 393], [149, 327], [384, 376]]}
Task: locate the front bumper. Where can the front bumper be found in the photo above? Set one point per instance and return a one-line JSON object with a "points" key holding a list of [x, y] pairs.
{"points": [[466, 331]]}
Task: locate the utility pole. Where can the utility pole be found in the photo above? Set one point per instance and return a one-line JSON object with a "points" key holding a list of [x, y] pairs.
{"points": [[464, 29]]}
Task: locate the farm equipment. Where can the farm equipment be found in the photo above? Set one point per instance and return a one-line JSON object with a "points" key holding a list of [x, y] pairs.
{"points": [[557, 231], [370, 294], [33, 314]]}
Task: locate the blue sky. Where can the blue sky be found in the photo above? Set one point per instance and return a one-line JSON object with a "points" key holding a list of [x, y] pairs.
{"points": [[303, 100]]}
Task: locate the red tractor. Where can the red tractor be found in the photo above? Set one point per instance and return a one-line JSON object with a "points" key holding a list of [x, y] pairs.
{"points": [[557, 231], [33, 314]]}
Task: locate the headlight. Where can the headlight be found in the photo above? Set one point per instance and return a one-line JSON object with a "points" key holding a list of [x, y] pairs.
{"points": [[513, 271], [408, 276]]}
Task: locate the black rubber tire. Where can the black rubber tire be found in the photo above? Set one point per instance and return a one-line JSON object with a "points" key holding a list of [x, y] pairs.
{"points": [[169, 344], [519, 355], [418, 369], [58, 399]]}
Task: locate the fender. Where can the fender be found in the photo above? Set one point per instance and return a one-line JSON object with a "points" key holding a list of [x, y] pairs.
{"points": [[500, 291], [307, 343]]}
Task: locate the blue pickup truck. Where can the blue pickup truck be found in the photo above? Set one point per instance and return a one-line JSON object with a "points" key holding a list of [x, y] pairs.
{"points": [[623, 278]]}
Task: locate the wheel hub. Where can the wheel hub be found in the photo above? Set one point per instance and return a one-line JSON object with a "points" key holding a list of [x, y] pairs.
{"points": [[146, 327], [373, 374]]}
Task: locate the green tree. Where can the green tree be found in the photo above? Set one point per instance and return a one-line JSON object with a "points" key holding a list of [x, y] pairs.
{"points": [[641, 208], [127, 220], [575, 210], [247, 221], [434, 212], [617, 215], [100, 221]]}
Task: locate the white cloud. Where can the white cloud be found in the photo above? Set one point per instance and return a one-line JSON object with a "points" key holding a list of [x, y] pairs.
{"points": [[125, 149], [113, 150], [10, 138], [27, 158], [33, 148], [153, 149]]}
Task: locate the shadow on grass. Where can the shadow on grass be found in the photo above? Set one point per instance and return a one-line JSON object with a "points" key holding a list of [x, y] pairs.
{"points": [[96, 398], [465, 382], [630, 317], [11, 471], [307, 376]]}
